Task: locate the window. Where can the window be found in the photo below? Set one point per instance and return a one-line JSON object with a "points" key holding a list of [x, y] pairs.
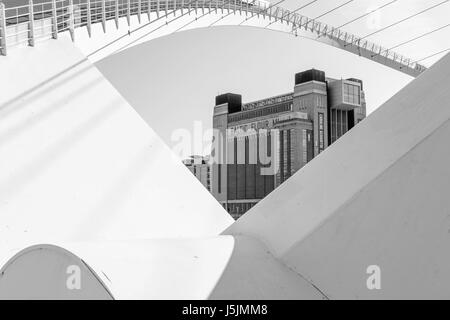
{"points": [[304, 147], [352, 94], [219, 170], [338, 124], [321, 132]]}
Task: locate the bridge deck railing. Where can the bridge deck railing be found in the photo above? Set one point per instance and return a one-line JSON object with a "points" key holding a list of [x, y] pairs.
{"points": [[32, 22]]}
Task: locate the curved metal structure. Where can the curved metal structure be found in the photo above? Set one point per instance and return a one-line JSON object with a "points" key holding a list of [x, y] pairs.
{"points": [[28, 23], [30, 274]]}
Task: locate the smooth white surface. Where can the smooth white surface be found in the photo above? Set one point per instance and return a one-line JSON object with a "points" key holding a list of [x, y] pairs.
{"points": [[221, 267], [78, 163], [44, 272], [399, 222], [378, 196]]}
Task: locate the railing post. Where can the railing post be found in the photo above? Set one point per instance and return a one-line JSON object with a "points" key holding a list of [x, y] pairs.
{"points": [[3, 50], [157, 8], [54, 21], [104, 16], [128, 12], [71, 20], [88, 17], [139, 10], [148, 9], [117, 14], [31, 23]]}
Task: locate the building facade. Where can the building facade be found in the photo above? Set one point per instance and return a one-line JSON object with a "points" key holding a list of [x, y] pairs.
{"points": [[201, 169], [259, 145]]}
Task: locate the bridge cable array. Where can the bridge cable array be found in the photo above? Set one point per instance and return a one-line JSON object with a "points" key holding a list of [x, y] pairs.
{"points": [[163, 25], [248, 18], [366, 14], [398, 22], [231, 12], [296, 10], [134, 30], [297, 27], [413, 39], [323, 15], [267, 9], [334, 9], [432, 55]]}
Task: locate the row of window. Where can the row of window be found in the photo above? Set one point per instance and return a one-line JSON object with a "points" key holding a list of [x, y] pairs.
{"points": [[238, 209], [260, 112], [267, 102], [339, 123], [318, 101]]}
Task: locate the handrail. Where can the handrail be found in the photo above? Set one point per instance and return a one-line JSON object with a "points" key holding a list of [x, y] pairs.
{"points": [[70, 14]]}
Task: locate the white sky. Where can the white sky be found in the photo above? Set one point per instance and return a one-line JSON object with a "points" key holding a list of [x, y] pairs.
{"points": [[172, 81]]}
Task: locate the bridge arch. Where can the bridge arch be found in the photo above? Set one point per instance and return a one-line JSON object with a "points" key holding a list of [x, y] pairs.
{"points": [[104, 27]]}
